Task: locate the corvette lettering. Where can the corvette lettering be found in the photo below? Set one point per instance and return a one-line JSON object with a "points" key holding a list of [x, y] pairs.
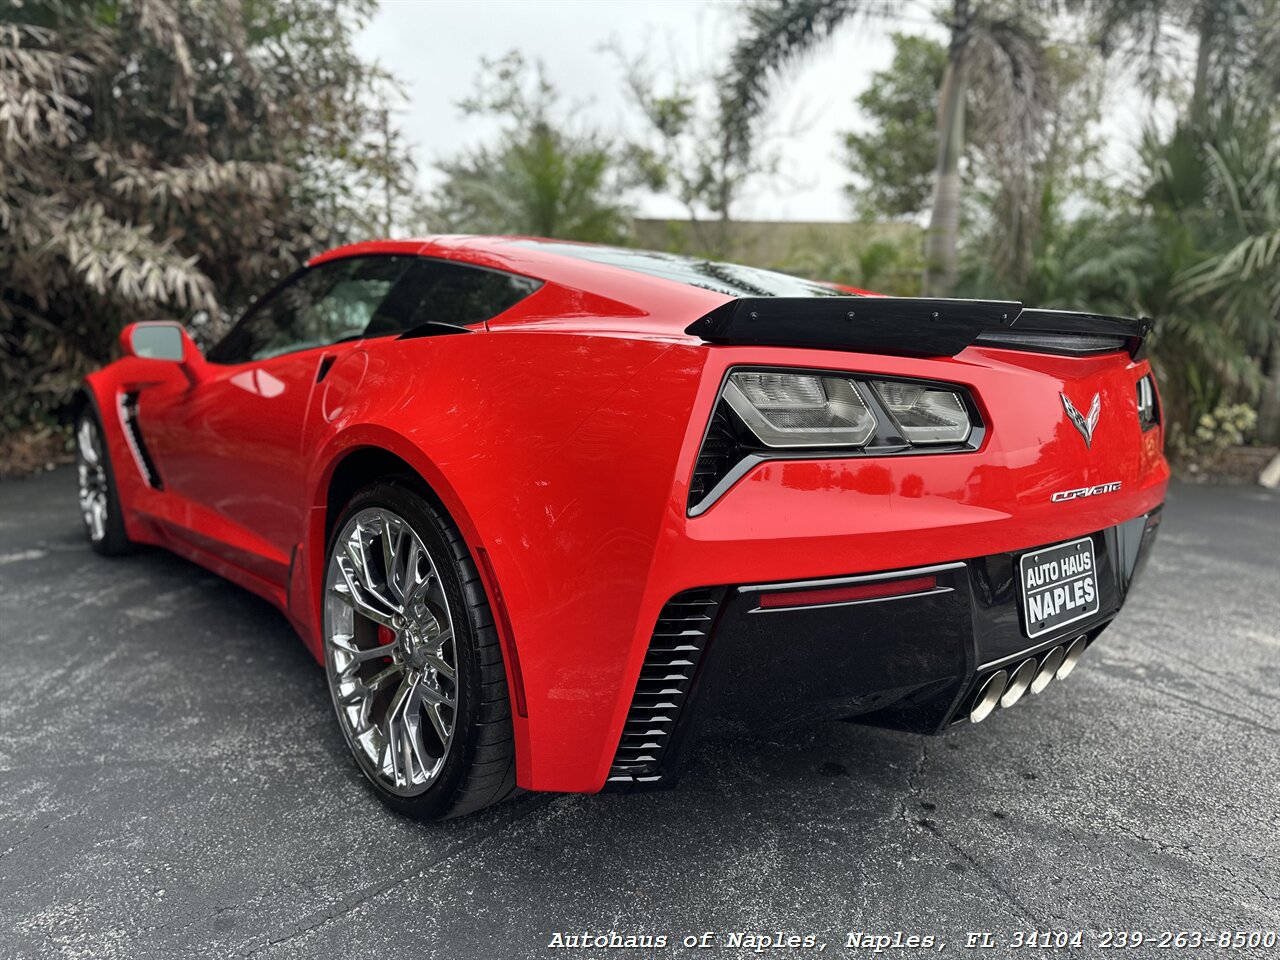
{"points": [[1101, 488]]}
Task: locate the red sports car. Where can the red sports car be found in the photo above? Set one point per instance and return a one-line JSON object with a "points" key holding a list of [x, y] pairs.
{"points": [[542, 509]]}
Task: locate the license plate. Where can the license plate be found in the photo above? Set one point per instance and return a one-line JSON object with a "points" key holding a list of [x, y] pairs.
{"points": [[1059, 585]]}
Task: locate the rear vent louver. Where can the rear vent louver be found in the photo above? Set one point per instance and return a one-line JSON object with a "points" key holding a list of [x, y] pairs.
{"points": [[665, 679], [720, 452]]}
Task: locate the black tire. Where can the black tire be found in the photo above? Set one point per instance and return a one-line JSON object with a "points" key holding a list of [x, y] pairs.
{"points": [[110, 540], [479, 767]]}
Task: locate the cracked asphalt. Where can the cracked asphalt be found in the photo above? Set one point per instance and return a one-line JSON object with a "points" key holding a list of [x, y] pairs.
{"points": [[172, 785]]}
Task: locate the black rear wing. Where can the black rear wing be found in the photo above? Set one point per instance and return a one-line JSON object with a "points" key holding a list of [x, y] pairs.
{"points": [[915, 326]]}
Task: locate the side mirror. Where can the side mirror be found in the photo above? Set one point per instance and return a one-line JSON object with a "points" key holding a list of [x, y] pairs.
{"points": [[162, 340]]}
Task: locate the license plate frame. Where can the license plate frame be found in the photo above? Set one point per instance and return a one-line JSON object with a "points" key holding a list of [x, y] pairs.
{"points": [[1075, 579]]}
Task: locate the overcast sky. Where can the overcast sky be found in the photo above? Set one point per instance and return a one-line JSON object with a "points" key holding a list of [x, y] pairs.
{"points": [[435, 47]]}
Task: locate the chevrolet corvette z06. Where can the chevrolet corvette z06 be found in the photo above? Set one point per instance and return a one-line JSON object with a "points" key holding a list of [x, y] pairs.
{"points": [[543, 510]]}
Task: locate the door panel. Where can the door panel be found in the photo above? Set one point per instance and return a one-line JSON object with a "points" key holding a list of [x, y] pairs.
{"points": [[230, 444]]}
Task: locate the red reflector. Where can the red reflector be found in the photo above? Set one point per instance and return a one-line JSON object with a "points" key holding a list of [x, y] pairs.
{"points": [[857, 591]]}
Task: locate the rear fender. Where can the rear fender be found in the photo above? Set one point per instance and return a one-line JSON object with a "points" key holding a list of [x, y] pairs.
{"points": [[306, 590], [557, 466]]}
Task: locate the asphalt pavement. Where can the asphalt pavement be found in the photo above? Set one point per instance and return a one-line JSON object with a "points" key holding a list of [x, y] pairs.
{"points": [[172, 784]]}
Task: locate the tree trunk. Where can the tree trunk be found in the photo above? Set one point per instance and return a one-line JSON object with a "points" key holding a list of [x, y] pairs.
{"points": [[1269, 403], [944, 219], [1204, 43], [387, 184]]}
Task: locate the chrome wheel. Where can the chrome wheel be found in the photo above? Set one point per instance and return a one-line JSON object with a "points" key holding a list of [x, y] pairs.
{"points": [[390, 653], [92, 469]]}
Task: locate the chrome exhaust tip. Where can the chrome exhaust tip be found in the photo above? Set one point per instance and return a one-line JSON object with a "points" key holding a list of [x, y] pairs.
{"points": [[988, 696], [1075, 650], [1048, 669], [1019, 682]]}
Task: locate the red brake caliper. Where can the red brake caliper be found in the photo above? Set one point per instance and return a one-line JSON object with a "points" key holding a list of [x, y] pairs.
{"points": [[386, 635]]}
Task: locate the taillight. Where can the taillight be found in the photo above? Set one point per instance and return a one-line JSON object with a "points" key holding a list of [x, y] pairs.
{"points": [[772, 414], [925, 414], [1148, 405], [800, 409], [793, 410]]}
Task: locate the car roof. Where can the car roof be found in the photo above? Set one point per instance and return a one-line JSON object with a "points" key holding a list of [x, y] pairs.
{"points": [[531, 256], [613, 299], [541, 257], [622, 298]]}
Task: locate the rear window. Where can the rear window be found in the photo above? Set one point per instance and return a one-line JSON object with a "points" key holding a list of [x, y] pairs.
{"points": [[727, 278], [440, 291]]}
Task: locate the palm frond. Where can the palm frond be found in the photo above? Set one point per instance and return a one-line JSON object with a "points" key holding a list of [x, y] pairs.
{"points": [[1241, 282], [775, 34], [1006, 66]]}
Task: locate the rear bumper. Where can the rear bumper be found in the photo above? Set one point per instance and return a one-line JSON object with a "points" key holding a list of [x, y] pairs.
{"points": [[600, 556], [722, 662]]}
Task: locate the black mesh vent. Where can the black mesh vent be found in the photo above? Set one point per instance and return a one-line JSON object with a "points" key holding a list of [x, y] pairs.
{"points": [[720, 452], [129, 416], [665, 678]]}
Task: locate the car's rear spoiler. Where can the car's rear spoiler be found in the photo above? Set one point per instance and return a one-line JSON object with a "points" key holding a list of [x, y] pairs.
{"points": [[915, 326]]}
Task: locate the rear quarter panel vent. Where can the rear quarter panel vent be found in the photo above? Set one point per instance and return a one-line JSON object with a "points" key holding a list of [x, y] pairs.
{"points": [[666, 677]]}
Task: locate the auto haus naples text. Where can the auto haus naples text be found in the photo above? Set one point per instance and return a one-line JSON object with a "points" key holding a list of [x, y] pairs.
{"points": [[1078, 590], [759, 942]]}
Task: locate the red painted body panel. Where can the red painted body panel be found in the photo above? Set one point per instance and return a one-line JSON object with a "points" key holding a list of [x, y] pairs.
{"points": [[561, 438]]}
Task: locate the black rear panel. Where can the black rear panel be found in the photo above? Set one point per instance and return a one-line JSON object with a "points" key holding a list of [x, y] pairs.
{"points": [[722, 664]]}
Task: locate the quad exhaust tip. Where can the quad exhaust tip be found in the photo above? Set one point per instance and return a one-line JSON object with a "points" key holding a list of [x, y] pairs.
{"points": [[1075, 650], [988, 696], [1022, 678], [1032, 675], [1048, 669]]}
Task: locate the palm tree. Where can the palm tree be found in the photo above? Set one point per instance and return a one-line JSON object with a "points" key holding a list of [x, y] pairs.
{"points": [[1218, 176], [1237, 45], [994, 49], [1241, 284], [543, 176]]}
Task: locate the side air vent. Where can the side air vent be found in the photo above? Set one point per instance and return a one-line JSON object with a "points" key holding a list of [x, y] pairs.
{"points": [[720, 451], [132, 433], [665, 678]]}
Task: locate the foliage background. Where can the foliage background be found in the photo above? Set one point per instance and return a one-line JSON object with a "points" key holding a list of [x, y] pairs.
{"points": [[161, 159], [171, 158]]}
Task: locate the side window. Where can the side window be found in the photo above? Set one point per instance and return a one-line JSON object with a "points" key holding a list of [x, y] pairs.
{"points": [[439, 291], [334, 301]]}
